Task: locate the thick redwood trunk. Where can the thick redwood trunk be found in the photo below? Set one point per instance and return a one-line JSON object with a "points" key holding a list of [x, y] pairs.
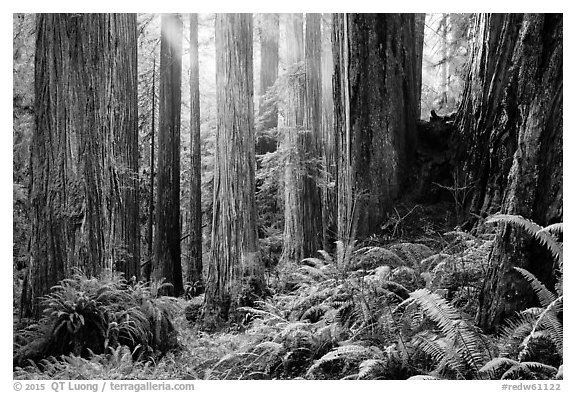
{"points": [[167, 263], [375, 105], [235, 264], [519, 117], [126, 250], [293, 246], [194, 274], [83, 155]]}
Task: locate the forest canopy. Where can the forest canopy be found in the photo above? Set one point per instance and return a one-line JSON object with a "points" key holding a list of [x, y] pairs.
{"points": [[288, 196]]}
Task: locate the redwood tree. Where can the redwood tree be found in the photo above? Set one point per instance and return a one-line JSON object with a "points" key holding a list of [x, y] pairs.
{"points": [[293, 245], [328, 141], [309, 142], [84, 199], [510, 127], [235, 264], [269, 57], [375, 107], [194, 273], [167, 263]]}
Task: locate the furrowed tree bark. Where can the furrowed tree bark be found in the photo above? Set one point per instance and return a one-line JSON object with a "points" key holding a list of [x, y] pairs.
{"points": [[194, 274], [511, 115], [329, 201], [269, 59], [167, 263], [293, 245], [309, 142], [83, 163], [375, 106], [235, 271], [126, 250]]}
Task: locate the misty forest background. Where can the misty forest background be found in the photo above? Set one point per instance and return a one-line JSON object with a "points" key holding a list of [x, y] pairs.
{"points": [[287, 196]]}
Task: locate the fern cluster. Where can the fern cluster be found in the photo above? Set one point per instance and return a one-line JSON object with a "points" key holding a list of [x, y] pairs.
{"points": [[85, 316], [531, 344]]}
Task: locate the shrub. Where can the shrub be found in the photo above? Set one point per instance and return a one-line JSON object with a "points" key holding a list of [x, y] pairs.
{"points": [[85, 316]]}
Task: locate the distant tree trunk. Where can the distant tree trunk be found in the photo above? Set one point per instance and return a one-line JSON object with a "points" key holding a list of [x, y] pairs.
{"points": [[269, 58], [375, 108], [329, 201], [167, 264], [445, 56], [148, 266], [293, 246], [82, 157], [194, 274], [510, 125], [126, 250], [419, 31], [309, 142], [235, 264]]}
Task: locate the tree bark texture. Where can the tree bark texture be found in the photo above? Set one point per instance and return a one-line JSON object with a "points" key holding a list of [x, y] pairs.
{"points": [[512, 116], [269, 60], [167, 263], [194, 274], [293, 246], [309, 142], [375, 106], [234, 258], [84, 150], [328, 141]]}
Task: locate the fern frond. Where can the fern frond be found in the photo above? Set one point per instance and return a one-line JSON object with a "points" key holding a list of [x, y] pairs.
{"points": [[348, 352], [544, 237], [431, 344], [437, 309], [423, 377], [549, 321], [530, 368], [493, 366], [544, 295], [369, 368], [554, 228]]}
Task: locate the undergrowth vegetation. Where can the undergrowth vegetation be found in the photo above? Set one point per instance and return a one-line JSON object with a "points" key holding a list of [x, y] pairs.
{"points": [[399, 311]]}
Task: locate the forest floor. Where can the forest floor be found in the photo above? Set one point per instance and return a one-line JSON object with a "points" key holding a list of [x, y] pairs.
{"points": [[388, 308]]}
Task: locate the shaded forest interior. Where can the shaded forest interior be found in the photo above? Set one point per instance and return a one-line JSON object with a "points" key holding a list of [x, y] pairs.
{"points": [[288, 196]]}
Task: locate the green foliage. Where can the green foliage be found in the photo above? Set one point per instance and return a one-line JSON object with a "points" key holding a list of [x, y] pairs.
{"points": [[85, 316]]}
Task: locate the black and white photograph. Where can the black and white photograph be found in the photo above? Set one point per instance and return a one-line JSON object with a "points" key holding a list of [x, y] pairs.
{"points": [[286, 196]]}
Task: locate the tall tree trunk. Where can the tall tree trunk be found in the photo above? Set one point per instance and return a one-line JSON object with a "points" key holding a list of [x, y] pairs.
{"points": [[194, 274], [374, 99], [293, 245], [269, 58], [309, 141], [420, 20], [235, 264], [167, 263], [510, 122], [82, 154], [126, 250], [329, 201], [148, 266]]}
